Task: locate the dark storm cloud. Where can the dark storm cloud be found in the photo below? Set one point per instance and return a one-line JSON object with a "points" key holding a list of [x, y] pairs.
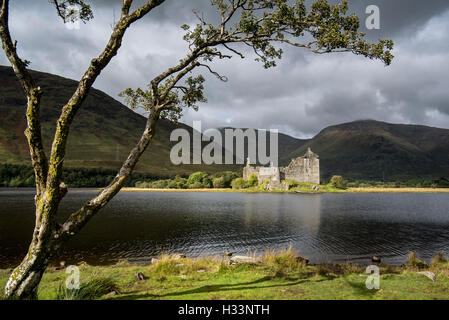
{"points": [[403, 17], [301, 96], [397, 15]]}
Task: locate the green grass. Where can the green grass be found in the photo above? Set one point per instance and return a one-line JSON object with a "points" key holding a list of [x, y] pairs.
{"points": [[89, 290], [278, 276]]}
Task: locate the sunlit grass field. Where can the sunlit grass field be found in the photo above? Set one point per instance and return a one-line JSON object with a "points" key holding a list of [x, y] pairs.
{"points": [[278, 275]]}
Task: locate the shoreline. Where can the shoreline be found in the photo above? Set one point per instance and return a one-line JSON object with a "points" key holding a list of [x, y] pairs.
{"points": [[55, 265], [348, 190], [254, 190]]}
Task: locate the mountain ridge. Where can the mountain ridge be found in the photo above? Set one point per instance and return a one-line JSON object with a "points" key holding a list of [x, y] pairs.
{"points": [[362, 149], [372, 149], [99, 136]]}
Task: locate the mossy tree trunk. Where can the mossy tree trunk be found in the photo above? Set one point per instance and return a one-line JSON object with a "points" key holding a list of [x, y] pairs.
{"points": [[24, 280], [48, 235]]}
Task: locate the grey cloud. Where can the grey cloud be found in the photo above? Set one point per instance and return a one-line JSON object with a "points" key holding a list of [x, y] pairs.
{"points": [[301, 96], [400, 17], [397, 16]]}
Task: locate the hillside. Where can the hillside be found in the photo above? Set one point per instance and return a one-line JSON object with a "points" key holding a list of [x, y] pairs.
{"points": [[374, 150], [377, 150], [101, 136], [105, 130]]}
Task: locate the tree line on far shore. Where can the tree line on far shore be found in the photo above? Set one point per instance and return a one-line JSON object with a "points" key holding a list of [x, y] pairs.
{"points": [[17, 176], [22, 176], [197, 180]]}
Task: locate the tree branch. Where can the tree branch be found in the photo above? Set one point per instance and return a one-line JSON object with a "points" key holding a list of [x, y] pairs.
{"points": [[33, 94], [78, 219], [67, 12], [164, 75], [125, 7], [220, 77], [233, 50], [97, 65], [58, 9], [178, 77]]}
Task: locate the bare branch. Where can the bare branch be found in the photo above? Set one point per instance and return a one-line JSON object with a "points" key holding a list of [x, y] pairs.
{"points": [[220, 77], [182, 64], [58, 10], [218, 53], [125, 7], [33, 94], [10, 49], [143, 10], [182, 88], [233, 50], [201, 18], [178, 77], [225, 19]]}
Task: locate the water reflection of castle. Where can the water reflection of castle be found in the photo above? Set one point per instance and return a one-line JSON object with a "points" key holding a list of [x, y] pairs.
{"points": [[296, 216]]}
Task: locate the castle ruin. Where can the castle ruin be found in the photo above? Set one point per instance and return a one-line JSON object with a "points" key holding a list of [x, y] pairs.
{"points": [[302, 169]]}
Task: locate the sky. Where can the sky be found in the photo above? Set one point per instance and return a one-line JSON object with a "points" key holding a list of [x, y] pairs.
{"points": [[301, 96]]}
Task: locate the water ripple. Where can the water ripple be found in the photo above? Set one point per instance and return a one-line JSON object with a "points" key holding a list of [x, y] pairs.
{"points": [[325, 228]]}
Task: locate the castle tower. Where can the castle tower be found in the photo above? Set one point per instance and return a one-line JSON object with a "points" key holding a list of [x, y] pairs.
{"points": [[304, 169]]}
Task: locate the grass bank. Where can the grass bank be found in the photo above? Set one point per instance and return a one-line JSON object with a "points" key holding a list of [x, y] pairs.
{"points": [[277, 276], [397, 190], [302, 189]]}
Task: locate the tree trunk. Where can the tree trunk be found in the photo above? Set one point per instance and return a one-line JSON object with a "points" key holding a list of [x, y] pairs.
{"points": [[24, 280], [47, 236]]}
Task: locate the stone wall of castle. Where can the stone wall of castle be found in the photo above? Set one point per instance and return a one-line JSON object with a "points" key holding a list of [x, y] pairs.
{"points": [[249, 170], [270, 174], [303, 169]]}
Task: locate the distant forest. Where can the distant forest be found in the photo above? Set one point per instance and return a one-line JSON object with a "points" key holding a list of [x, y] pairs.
{"points": [[23, 176]]}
